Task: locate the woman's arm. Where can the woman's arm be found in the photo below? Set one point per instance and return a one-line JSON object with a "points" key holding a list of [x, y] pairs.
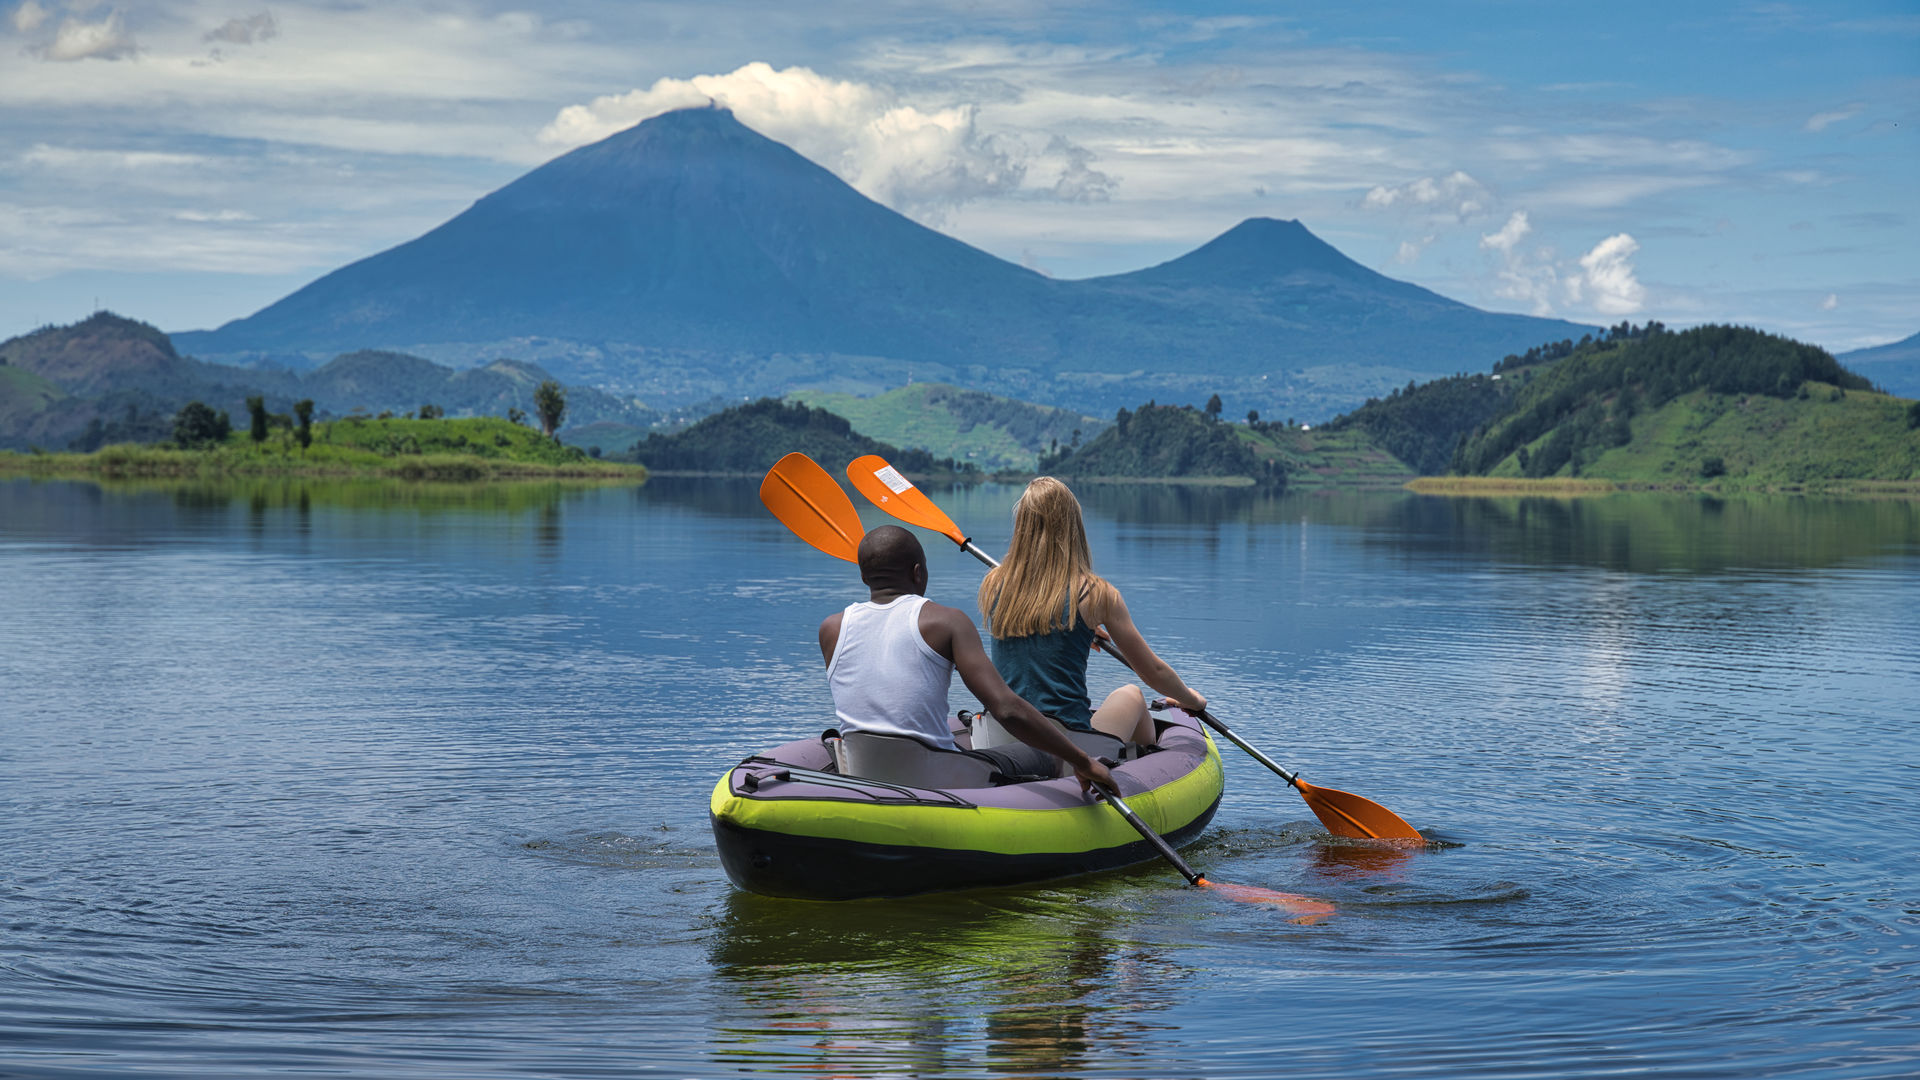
{"points": [[1117, 623]]}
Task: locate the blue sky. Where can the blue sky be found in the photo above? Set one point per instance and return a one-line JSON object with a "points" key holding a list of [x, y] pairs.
{"points": [[189, 162]]}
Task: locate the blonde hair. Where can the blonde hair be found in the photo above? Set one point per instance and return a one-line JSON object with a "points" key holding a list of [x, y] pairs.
{"points": [[1037, 589]]}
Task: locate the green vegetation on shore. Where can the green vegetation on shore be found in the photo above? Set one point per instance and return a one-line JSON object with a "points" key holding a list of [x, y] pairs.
{"points": [[991, 432], [747, 440], [463, 450], [1167, 442], [1717, 407]]}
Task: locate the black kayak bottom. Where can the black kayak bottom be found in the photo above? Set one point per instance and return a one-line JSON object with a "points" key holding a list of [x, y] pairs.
{"points": [[816, 868]]}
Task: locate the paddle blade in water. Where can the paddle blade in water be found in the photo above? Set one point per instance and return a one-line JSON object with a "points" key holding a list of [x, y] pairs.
{"points": [[883, 485], [1349, 815], [1306, 910], [809, 501]]}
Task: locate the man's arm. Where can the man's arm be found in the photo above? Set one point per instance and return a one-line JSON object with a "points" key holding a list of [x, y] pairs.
{"points": [[953, 636], [829, 635]]}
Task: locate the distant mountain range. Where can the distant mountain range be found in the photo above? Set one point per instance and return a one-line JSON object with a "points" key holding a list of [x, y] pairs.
{"points": [[1894, 367], [689, 256], [111, 379]]}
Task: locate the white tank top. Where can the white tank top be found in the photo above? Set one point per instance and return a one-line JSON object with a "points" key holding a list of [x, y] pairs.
{"points": [[884, 676]]}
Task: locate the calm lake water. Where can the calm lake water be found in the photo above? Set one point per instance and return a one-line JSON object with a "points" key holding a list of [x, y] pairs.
{"points": [[390, 782]]}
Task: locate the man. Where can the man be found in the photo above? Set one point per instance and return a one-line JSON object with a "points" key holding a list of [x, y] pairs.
{"points": [[890, 661]]}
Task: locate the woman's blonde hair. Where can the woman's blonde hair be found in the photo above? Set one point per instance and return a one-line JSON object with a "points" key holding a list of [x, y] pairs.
{"points": [[1048, 566]]}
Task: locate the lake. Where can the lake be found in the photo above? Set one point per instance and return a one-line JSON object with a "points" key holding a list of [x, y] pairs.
{"points": [[371, 780]]}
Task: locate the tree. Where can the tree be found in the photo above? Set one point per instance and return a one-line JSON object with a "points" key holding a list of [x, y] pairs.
{"points": [[1253, 417], [551, 402], [197, 424], [515, 416], [432, 412], [303, 411], [1213, 407], [257, 412]]}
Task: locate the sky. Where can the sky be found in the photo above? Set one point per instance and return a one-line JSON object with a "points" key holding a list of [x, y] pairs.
{"points": [[187, 163]]}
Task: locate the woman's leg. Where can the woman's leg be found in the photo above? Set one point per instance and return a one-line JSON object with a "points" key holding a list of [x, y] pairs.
{"points": [[1124, 716]]}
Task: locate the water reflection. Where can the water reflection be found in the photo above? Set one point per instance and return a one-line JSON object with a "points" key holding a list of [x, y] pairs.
{"points": [[1639, 532], [1018, 983]]}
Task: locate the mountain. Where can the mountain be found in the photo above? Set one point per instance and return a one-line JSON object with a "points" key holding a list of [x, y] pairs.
{"points": [[690, 256], [112, 379], [1894, 367]]}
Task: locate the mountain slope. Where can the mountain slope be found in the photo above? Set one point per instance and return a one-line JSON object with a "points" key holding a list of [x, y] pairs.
{"points": [[1699, 404], [690, 256], [689, 231], [1894, 367], [991, 432]]}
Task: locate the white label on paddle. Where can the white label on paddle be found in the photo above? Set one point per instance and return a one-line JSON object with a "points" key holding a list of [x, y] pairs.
{"points": [[894, 481]]}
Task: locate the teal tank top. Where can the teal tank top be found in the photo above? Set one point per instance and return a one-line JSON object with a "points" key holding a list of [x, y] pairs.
{"points": [[1050, 671]]}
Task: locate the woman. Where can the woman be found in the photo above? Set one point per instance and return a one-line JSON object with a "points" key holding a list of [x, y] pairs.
{"points": [[1044, 607]]}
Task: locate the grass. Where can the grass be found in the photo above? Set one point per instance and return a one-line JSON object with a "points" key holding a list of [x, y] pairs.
{"points": [[1511, 485], [917, 416], [463, 450], [1826, 442], [1317, 459]]}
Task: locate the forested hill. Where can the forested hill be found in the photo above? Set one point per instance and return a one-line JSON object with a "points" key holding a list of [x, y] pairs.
{"points": [[1423, 424], [1577, 409], [749, 438], [1167, 442], [990, 431]]}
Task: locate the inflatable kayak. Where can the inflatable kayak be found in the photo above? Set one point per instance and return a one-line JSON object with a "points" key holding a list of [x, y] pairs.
{"points": [[795, 822]]}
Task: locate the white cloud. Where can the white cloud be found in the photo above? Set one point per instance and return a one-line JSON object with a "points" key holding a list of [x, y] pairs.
{"points": [[1819, 122], [77, 40], [910, 157], [1410, 250], [1456, 193], [1832, 301], [1510, 234], [1607, 273], [247, 31], [27, 17]]}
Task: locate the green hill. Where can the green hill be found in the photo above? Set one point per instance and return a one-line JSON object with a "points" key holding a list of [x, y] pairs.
{"points": [[465, 449], [749, 438], [1700, 404], [994, 433], [1167, 442], [1326, 457], [120, 380]]}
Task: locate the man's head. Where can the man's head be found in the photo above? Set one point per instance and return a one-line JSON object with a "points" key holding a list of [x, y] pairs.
{"points": [[892, 560]]}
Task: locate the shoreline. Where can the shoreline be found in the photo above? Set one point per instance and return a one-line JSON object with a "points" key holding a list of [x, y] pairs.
{"points": [[159, 463], [1586, 487]]}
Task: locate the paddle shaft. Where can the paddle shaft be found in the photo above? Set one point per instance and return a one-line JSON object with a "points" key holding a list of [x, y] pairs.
{"points": [[1159, 843]]}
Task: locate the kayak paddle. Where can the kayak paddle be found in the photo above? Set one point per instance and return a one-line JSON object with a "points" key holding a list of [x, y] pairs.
{"points": [[1310, 911], [1343, 813], [809, 501]]}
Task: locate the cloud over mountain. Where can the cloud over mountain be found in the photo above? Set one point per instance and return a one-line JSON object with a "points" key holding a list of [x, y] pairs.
{"points": [[913, 159]]}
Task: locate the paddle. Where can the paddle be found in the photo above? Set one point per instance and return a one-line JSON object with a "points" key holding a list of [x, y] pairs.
{"points": [[1343, 813], [808, 501], [1309, 911]]}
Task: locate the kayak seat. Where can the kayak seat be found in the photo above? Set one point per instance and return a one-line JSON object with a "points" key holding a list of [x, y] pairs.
{"points": [[901, 759], [988, 733]]}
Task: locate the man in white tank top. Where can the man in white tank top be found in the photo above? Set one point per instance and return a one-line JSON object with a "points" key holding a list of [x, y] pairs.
{"points": [[891, 658]]}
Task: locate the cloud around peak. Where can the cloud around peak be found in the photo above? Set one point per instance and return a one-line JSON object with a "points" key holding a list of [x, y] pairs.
{"points": [[920, 158]]}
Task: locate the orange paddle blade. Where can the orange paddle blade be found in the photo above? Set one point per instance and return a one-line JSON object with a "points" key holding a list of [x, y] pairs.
{"points": [[807, 499], [1306, 911], [1347, 814], [883, 485]]}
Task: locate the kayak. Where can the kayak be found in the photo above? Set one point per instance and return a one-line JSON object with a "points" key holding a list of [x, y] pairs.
{"points": [[787, 824]]}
